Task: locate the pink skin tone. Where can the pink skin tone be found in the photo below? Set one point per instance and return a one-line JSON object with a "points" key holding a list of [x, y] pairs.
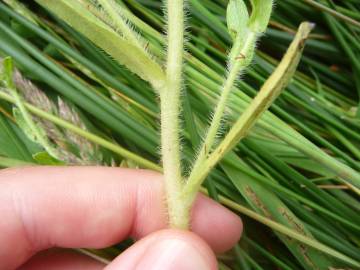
{"points": [[95, 207]]}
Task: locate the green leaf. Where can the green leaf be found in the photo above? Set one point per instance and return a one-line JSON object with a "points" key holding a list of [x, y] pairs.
{"points": [[21, 9], [260, 15], [10, 162], [10, 144], [237, 17], [264, 201], [125, 52], [25, 127], [270, 90], [7, 73], [33, 130], [43, 158], [243, 48]]}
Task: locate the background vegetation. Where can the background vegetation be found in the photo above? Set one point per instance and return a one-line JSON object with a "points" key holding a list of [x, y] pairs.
{"points": [[294, 179]]}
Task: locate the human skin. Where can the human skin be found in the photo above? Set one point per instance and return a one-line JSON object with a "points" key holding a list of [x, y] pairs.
{"points": [[94, 207]]}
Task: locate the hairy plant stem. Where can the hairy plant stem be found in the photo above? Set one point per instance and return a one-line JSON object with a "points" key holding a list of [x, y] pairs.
{"points": [[267, 94], [170, 110], [235, 69], [148, 164]]}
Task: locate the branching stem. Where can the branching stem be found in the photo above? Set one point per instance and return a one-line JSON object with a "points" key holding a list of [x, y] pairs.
{"points": [[267, 94], [235, 69]]}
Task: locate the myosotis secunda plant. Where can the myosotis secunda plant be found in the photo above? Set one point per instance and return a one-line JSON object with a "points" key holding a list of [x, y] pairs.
{"points": [[271, 171], [104, 23]]}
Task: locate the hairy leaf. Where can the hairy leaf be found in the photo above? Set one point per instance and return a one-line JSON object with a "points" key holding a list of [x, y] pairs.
{"points": [[260, 15], [122, 50], [237, 18]]}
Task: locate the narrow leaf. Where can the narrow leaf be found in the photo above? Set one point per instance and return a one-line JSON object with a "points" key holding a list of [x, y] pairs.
{"points": [[122, 50], [33, 130], [269, 91]]}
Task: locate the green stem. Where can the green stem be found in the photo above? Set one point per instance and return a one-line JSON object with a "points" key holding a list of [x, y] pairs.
{"points": [[235, 69], [150, 165], [170, 110], [267, 94]]}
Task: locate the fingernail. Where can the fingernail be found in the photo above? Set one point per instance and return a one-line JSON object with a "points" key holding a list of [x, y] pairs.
{"points": [[174, 254]]}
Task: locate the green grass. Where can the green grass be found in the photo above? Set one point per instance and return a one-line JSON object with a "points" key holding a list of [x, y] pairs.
{"points": [[275, 177]]}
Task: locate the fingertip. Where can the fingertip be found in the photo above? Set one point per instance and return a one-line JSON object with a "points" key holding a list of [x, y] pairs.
{"points": [[217, 225], [167, 249]]}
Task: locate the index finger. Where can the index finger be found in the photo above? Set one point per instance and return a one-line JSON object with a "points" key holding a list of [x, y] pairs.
{"points": [[93, 207]]}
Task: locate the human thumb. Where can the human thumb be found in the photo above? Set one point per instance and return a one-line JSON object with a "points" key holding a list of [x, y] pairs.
{"points": [[165, 250]]}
